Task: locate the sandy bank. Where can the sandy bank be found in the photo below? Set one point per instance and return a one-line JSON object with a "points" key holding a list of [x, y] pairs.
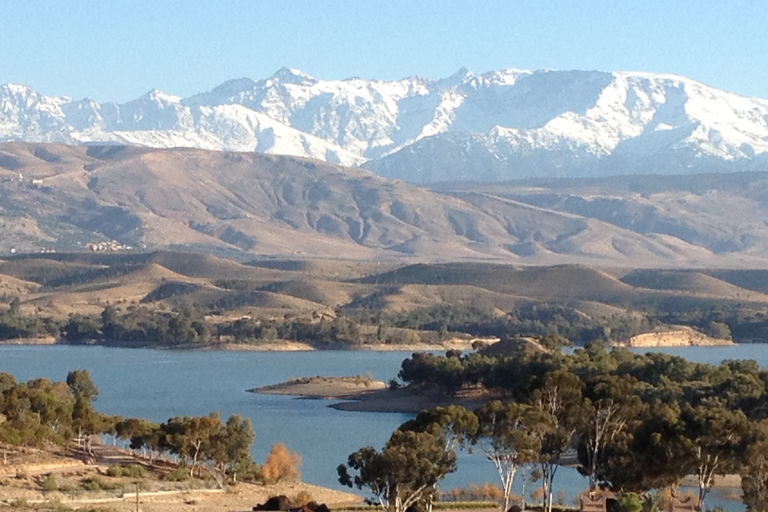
{"points": [[43, 340], [273, 346], [679, 337], [323, 387]]}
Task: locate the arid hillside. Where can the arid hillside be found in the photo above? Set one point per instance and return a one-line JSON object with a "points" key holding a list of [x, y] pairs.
{"points": [[57, 285], [68, 198]]}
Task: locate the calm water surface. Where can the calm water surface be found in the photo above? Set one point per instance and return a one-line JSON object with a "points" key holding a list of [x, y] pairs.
{"points": [[161, 384]]}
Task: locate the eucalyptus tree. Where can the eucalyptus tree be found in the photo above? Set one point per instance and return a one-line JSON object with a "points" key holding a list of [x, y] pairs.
{"points": [[455, 424], [754, 471], [560, 396], [404, 473], [231, 446], [717, 438], [190, 437], [611, 405], [510, 435]]}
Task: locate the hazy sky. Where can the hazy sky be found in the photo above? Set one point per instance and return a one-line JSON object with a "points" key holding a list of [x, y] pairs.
{"points": [[118, 50]]}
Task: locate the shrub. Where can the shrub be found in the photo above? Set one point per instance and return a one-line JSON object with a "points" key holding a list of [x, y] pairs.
{"points": [[97, 484], [630, 502], [92, 484], [281, 464], [134, 471], [50, 483], [131, 470], [115, 470], [179, 474], [249, 472]]}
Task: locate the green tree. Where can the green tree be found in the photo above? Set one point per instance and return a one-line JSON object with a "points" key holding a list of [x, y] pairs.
{"points": [[611, 403], [81, 385], [231, 446], [404, 473], [190, 437], [560, 396], [717, 439], [14, 307], [454, 423], [754, 471], [510, 435]]}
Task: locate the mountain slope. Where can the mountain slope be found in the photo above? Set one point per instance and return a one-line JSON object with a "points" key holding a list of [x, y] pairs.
{"points": [[480, 127], [71, 197]]}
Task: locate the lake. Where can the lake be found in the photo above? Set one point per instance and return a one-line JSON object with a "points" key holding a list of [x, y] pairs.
{"points": [[160, 384]]}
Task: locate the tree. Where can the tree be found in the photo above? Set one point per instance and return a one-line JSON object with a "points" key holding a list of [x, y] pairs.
{"points": [[190, 437], [81, 386], [404, 473], [560, 396], [455, 424], [231, 447], [754, 471], [510, 435], [610, 405], [717, 439], [14, 307], [84, 419], [655, 455], [281, 464]]}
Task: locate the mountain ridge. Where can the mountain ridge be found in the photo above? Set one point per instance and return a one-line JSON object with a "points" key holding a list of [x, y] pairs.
{"points": [[494, 126], [72, 198]]}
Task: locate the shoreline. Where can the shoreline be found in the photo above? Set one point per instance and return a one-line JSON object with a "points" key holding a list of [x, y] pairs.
{"points": [[298, 346], [277, 346]]}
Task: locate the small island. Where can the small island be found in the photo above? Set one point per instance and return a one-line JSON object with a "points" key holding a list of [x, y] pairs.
{"points": [[324, 387]]}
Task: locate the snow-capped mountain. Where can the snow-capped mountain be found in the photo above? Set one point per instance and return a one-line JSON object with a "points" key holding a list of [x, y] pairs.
{"points": [[493, 126]]}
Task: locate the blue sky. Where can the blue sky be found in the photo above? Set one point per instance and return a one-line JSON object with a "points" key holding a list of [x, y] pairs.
{"points": [[117, 50]]}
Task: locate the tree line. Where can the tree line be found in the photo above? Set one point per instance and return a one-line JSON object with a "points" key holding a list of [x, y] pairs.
{"points": [[188, 324], [636, 423], [41, 413]]}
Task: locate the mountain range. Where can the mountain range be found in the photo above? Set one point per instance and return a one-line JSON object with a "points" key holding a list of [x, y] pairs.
{"points": [[68, 198], [496, 126]]}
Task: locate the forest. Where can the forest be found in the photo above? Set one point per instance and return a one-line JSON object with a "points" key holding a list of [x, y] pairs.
{"points": [[186, 324], [638, 423]]}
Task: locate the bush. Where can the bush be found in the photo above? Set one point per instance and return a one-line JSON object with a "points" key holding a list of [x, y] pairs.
{"points": [[115, 470], [180, 474], [134, 471], [630, 502], [249, 472], [131, 470], [50, 483], [281, 465], [92, 484], [97, 484]]}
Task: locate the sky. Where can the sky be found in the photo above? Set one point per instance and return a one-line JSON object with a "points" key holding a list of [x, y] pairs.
{"points": [[117, 50]]}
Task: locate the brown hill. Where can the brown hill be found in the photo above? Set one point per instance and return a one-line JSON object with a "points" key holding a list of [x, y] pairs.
{"points": [[240, 204]]}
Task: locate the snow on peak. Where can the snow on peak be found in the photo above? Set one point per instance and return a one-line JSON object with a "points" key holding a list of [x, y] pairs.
{"points": [[161, 97], [292, 76], [528, 123]]}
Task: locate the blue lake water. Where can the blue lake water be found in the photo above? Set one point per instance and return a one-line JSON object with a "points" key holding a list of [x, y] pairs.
{"points": [[161, 384]]}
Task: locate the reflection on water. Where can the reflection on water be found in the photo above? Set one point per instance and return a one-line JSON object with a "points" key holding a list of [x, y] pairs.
{"points": [[158, 385]]}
